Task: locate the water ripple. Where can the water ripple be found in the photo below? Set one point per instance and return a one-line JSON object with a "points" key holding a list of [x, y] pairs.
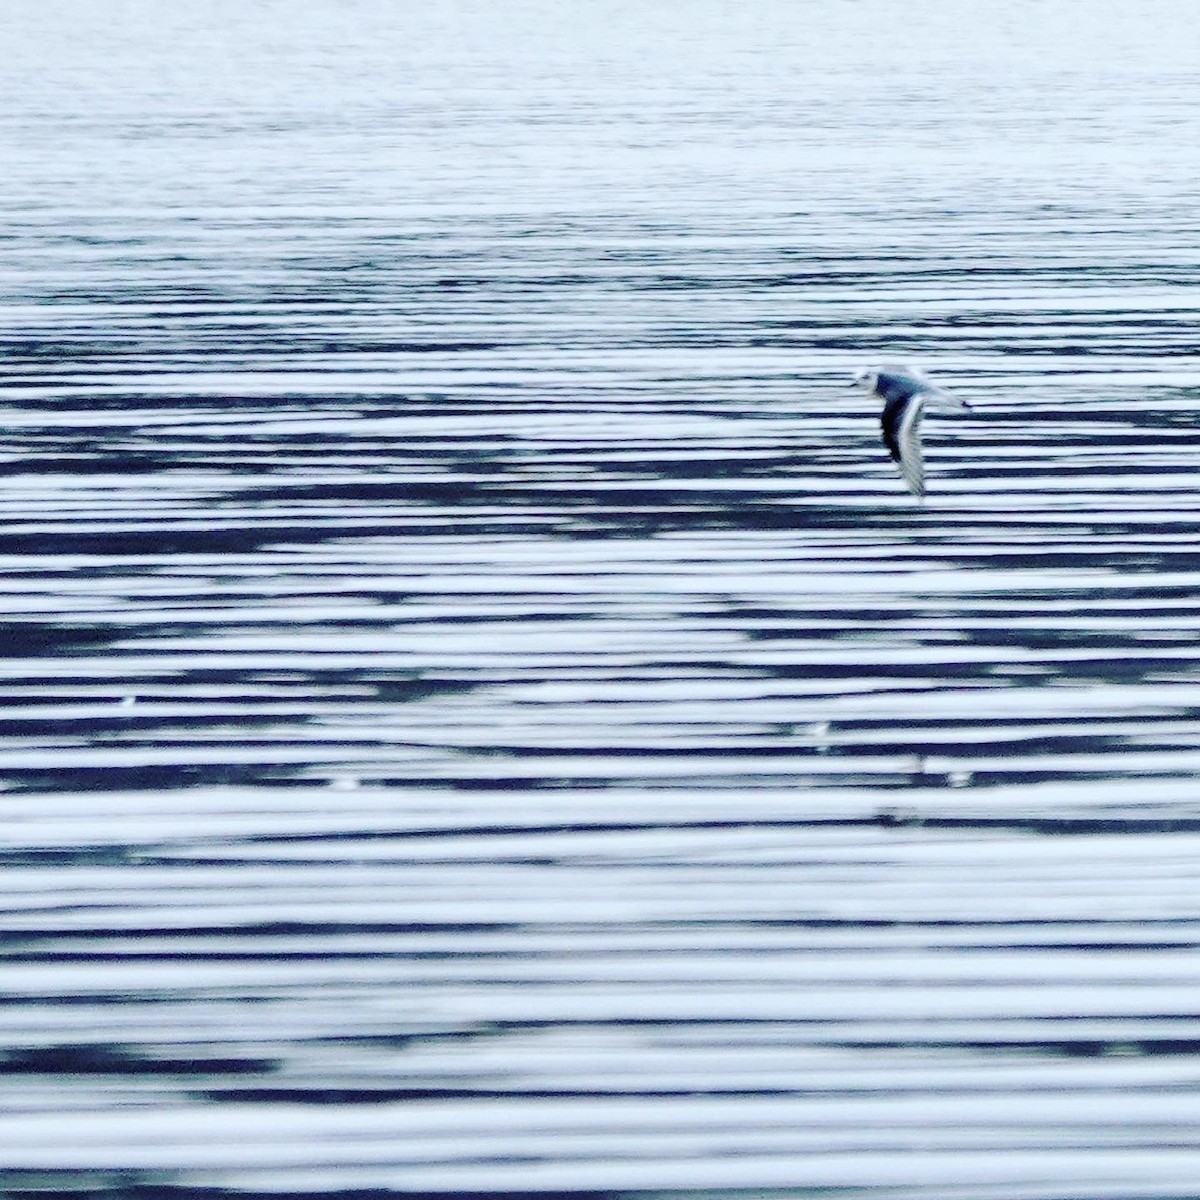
{"points": [[482, 715]]}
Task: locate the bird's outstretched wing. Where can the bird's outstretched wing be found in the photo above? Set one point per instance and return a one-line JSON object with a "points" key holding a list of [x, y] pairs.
{"points": [[907, 452], [901, 426]]}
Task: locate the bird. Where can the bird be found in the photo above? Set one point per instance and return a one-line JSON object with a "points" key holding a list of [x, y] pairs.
{"points": [[906, 393]]}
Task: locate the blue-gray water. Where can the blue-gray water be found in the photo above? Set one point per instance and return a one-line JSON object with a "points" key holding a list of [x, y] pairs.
{"points": [[481, 714]]}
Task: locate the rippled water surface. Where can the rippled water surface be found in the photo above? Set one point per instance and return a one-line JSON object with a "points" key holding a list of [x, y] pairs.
{"points": [[481, 713]]}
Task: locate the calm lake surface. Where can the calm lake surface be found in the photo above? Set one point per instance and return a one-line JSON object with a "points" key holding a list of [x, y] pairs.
{"points": [[481, 713]]}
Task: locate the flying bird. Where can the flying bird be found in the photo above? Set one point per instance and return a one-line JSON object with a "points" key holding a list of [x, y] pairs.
{"points": [[906, 394]]}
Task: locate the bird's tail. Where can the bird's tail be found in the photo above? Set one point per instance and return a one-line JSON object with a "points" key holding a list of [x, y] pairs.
{"points": [[939, 400]]}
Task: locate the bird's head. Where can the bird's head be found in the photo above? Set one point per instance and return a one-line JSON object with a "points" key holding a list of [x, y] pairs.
{"points": [[866, 380]]}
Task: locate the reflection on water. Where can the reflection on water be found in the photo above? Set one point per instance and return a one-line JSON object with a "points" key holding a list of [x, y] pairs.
{"points": [[481, 713]]}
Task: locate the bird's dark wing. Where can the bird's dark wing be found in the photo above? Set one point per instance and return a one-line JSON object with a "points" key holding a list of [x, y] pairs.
{"points": [[901, 423]]}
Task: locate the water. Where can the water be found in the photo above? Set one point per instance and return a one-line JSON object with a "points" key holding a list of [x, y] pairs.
{"points": [[481, 712]]}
